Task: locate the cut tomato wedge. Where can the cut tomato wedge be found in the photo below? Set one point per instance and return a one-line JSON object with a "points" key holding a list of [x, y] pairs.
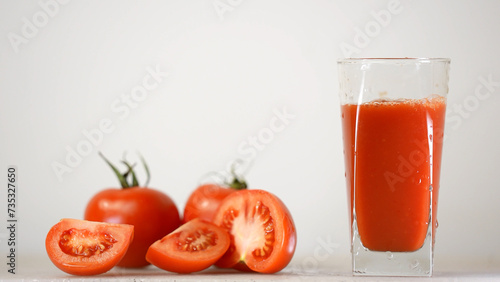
{"points": [[82, 247], [262, 231], [194, 246]]}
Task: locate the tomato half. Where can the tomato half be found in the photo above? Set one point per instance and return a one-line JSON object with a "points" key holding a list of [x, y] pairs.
{"points": [[204, 202], [83, 247], [263, 234], [194, 246], [152, 213]]}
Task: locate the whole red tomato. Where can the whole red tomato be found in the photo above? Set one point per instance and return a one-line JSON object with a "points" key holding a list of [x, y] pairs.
{"points": [[206, 199], [152, 213]]}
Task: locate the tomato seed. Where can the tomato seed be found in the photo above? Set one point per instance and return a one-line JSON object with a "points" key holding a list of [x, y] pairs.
{"points": [[76, 242], [199, 241], [259, 214], [228, 218]]}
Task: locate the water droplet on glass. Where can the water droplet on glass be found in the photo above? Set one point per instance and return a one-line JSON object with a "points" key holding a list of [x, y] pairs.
{"points": [[417, 181], [389, 255], [342, 115], [430, 137], [437, 223], [415, 264]]}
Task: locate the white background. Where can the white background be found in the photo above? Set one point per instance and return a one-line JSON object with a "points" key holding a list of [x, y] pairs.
{"points": [[66, 68]]}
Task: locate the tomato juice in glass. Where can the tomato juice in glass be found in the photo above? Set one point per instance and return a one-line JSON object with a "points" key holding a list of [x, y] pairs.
{"points": [[393, 113]]}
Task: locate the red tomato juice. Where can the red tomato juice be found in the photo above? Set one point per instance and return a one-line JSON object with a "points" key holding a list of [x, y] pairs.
{"points": [[393, 158]]}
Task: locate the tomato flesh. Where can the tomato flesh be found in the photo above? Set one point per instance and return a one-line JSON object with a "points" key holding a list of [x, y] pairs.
{"points": [[78, 242], [262, 231], [194, 246], [83, 247], [200, 240], [253, 233]]}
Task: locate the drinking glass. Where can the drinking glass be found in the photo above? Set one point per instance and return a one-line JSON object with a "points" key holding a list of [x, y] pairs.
{"points": [[393, 115]]}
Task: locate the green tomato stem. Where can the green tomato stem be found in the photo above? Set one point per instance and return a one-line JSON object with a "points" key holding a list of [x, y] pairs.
{"points": [[146, 168], [135, 183], [121, 178], [237, 183]]}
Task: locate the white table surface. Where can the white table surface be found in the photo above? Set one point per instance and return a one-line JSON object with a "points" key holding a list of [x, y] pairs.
{"points": [[333, 269]]}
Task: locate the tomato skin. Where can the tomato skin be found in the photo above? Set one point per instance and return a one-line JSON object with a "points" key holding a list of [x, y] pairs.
{"points": [[242, 206], [168, 253], [204, 202], [151, 212], [94, 264]]}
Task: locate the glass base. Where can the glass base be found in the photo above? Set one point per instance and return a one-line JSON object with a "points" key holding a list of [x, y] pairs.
{"points": [[375, 263]]}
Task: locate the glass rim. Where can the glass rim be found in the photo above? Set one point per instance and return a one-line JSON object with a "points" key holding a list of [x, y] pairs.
{"points": [[392, 60]]}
